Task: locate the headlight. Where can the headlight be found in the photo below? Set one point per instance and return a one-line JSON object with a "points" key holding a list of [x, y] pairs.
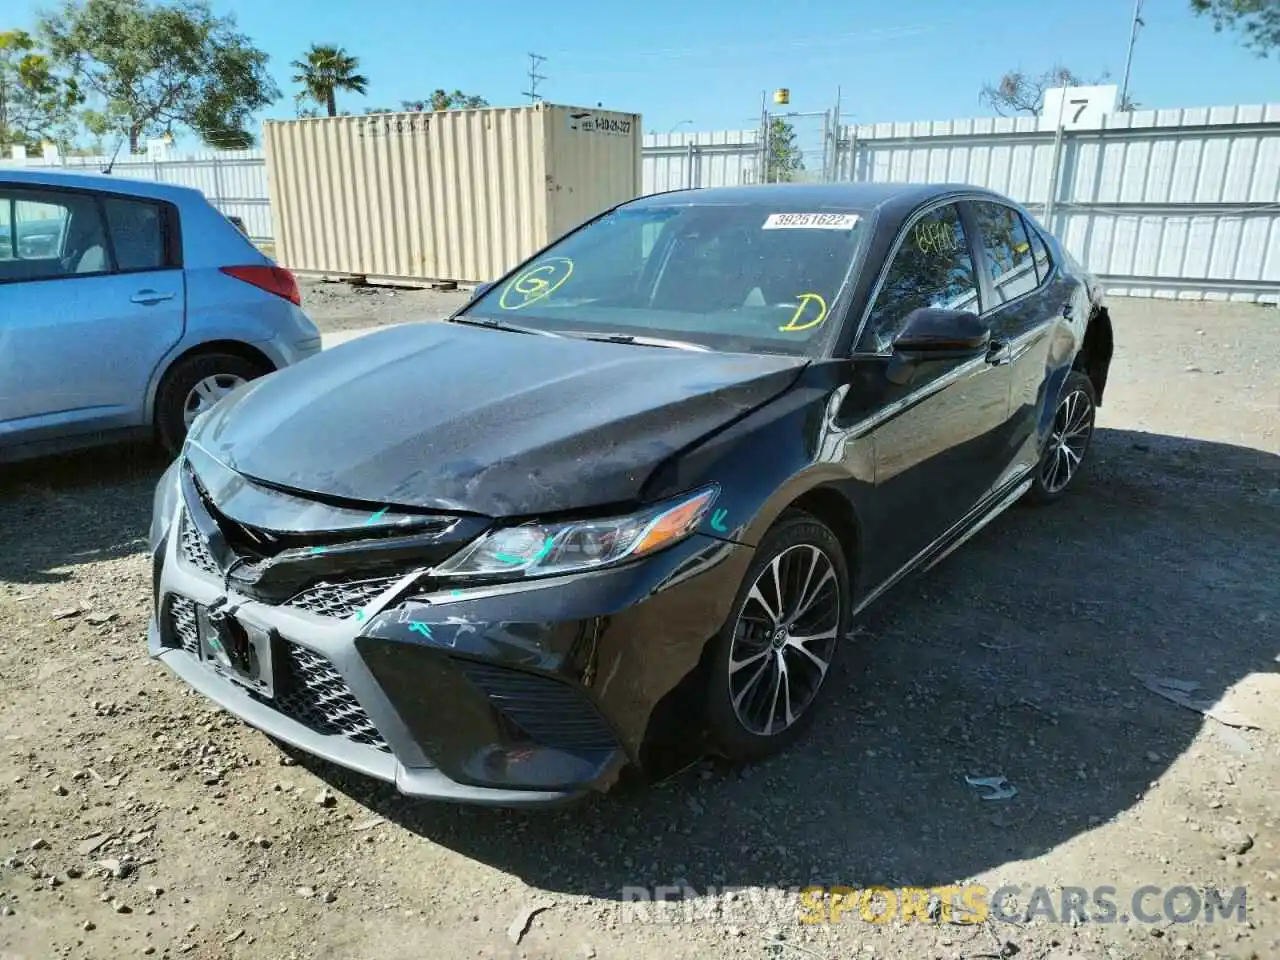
{"points": [[164, 503], [545, 549]]}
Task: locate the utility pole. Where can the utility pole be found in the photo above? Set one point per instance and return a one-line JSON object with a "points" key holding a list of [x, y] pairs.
{"points": [[1128, 62], [535, 60]]}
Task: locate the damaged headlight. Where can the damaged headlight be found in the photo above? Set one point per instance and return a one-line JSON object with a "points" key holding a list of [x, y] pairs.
{"points": [[164, 503], [545, 549]]}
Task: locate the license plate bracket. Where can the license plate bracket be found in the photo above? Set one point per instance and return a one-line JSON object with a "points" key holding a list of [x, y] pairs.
{"points": [[237, 648]]}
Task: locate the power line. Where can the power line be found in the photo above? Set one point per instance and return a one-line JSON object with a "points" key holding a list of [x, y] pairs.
{"points": [[535, 60]]}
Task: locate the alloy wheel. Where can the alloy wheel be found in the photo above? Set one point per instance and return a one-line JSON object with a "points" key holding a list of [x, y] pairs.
{"points": [[784, 639], [206, 393], [1072, 428]]}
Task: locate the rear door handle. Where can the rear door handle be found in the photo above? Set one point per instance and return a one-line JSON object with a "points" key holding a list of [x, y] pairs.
{"points": [[151, 297]]}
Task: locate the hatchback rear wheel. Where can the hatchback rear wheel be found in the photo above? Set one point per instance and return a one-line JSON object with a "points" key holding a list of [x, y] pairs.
{"points": [[780, 644], [192, 387]]}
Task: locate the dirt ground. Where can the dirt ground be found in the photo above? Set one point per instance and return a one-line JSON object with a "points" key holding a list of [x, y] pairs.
{"points": [[139, 821], [340, 307]]}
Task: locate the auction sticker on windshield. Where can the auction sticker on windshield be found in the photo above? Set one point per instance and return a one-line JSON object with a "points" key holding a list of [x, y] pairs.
{"points": [[810, 221]]}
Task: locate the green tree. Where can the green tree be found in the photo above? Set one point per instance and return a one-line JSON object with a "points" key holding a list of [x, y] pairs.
{"points": [[324, 71], [37, 102], [443, 100], [785, 159], [154, 66], [1257, 20]]}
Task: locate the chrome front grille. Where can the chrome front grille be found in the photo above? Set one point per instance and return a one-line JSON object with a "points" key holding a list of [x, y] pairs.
{"points": [[341, 599], [194, 550], [182, 624], [315, 695]]}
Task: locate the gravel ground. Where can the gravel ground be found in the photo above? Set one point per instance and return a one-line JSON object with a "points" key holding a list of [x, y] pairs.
{"points": [[141, 822], [340, 307]]}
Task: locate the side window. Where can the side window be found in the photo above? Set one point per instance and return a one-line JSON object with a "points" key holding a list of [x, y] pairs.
{"points": [[46, 234], [932, 268], [1008, 250], [1044, 263], [137, 233]]}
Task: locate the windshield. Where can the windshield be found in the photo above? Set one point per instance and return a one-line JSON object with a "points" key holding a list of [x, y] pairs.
{"points": [[741, 277]]}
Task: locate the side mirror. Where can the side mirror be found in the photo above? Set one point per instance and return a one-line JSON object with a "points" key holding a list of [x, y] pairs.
{"points": [[481, 289], [931, 334]]}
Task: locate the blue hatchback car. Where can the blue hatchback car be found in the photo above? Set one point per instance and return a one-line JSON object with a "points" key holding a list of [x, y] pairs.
{"points": [[127, 309]]}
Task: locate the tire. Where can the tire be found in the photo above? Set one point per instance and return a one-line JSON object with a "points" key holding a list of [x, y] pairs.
{"points": [[177, 388], [738, 701], [1048, 482]]}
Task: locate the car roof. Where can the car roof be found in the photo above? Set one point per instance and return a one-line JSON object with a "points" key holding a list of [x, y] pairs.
{"points": [[896, 197], [43, 177]]}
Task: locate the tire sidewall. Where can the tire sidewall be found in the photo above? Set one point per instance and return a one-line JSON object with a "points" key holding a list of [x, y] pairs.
{"points": [[1074, 381], [171, 430], [727, 734]]}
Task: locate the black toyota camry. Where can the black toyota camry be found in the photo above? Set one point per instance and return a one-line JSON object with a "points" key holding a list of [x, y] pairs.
{"points": [[633, 494]]}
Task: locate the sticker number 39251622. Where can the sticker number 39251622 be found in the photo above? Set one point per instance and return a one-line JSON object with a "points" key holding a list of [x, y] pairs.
{"points": [[810, 221]]}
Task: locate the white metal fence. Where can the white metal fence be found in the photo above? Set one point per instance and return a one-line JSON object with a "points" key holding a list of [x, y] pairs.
{"points": [[1175, 203], [235, 181]]}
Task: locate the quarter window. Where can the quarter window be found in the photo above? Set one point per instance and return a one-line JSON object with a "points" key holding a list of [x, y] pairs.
{"points": [[1044, 263], [932, 268], [1008, 250], [49, 234]]}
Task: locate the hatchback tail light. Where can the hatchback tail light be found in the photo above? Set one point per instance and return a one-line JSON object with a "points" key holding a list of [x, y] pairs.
{"points": [[272, 279]]}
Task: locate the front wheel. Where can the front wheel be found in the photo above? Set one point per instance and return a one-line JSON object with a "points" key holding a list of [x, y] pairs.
{"points": [[780, 642], [1069, 440]]}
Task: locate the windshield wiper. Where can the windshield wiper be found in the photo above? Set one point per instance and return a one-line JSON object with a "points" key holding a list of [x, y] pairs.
{"points": [[501, 325], [640, 341]]}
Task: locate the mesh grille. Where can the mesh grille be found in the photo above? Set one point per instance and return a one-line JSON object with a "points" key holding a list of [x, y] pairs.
{"points": [[194, 550], [552, 712], [182, 624], [342, 599], [317, 697]]}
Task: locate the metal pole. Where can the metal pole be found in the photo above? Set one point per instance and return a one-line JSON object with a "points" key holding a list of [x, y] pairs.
{"points": [[764, 136], [1128, 62], [689, 180], [826, 156], [835, 139], [1051, 200]]}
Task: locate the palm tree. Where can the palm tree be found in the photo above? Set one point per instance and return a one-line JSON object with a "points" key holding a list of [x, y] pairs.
{"points": [[326, 70]]}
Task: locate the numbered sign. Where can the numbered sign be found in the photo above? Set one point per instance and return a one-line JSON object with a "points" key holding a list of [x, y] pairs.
{"points": [[1079, 107]]}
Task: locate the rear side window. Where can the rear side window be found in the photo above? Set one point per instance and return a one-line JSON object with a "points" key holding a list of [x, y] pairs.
{"points": [[1008, 250], [932, 268], [46, 234], [138, 233]]}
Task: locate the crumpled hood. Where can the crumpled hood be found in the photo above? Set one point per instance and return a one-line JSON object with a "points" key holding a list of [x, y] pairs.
{"points": [[457, 418]]}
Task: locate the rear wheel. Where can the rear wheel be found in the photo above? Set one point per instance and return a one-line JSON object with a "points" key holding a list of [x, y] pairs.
{"points": [[192, 387], [1069, 440], [780, 643]]}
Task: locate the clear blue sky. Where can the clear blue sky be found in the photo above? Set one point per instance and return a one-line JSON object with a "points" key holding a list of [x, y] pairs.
{"points": [[707, 61]]}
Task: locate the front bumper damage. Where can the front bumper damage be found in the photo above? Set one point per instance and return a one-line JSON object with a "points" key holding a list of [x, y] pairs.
{"points": [[509, 695]]}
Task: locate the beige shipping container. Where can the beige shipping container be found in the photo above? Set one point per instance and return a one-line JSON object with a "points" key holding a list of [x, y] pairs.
{"points": [[459, 195]]}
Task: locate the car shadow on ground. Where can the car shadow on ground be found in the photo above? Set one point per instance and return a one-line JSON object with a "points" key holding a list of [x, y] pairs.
{"points": [[59, 512], [1013, 658]]}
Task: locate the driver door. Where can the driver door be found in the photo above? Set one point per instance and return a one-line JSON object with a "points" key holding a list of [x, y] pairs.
{"points": [[936, 438]]}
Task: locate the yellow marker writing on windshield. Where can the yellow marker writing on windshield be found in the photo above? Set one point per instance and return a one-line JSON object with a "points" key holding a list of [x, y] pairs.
{"points": [[794, 324], [536, 283]]}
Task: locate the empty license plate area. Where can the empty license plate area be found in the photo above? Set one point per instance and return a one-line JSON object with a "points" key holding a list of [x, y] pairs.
{"points": [[236, 647]]}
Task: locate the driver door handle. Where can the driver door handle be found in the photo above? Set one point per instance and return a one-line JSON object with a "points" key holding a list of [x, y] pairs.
{"points": [[998, 353], [150, 297]]}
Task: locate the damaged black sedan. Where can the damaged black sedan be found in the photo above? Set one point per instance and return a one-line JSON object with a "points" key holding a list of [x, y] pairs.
{"points": [[631, 496]]}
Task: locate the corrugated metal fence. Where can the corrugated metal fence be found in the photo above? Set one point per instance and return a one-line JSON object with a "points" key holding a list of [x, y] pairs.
{"points": [[1181, 203], [234, 180], [1173, 203]]}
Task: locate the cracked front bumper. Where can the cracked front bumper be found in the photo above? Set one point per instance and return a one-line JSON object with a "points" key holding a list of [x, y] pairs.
{"points": [[520, 695]]}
